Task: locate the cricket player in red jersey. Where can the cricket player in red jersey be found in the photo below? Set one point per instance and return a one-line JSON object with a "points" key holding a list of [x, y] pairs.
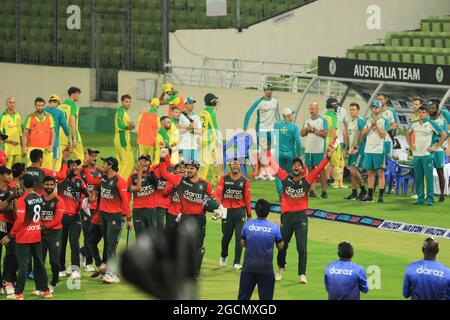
{"points": [[27, 234], [162, 199], [194, 192], [294, 202], [73, 191], [52, 212], [114, 208], [87, 215], [142, 184], [7, 218], [174, 212], [233, 193], [38, 173], [3, 138]]}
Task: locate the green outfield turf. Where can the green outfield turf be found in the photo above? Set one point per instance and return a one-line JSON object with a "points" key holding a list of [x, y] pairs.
{"points": [[388, 253]]}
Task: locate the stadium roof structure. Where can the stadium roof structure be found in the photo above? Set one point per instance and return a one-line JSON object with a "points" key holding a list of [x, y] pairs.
{"points": [[399, 81]]}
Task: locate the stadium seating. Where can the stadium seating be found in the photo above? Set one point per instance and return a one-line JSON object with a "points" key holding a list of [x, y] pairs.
{"points": [[430, 45]]}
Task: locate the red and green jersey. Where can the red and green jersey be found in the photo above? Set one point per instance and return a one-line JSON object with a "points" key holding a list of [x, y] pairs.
{"points": [[162, 199], [28, 205], [192, 194], [52, 212], [233, 193], [294, 197], [114, 196], [144, 198], [93, 190], [39, 173], [175, 202], [72, 192]]}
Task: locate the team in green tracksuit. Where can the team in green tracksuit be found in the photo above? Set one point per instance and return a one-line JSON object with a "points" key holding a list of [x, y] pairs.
{"points": [[289, 144], [425, 131], [439, 154]]}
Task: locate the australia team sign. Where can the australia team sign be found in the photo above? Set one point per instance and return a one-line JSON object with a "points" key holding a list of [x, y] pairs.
{"points": [[384, 71]]}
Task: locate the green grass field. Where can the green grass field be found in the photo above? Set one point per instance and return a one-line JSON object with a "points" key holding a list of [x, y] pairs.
{"points": [[389, 251]]}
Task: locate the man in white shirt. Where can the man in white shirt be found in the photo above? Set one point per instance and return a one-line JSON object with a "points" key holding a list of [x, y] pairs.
{"points": [[425, 130], [375, 132], [315, 131], [267, 111], [190, 129]]}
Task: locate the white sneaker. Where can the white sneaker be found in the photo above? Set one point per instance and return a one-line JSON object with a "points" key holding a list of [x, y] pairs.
{"points": [[89, 268], [8, 289], [115, 278], [110, 278], [36, 293], [102, 268], [75, 275], [51, 288], [62, 274], [279, 274], [237, 266], [415, 196], [223, 262], [260, 177], [271, 178], [303, 279]]}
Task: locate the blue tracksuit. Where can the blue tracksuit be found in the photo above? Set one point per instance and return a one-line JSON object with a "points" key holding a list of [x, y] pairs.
{"points": [[344, 280]]}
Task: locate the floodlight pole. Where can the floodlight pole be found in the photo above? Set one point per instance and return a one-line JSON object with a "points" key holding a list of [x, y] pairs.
{"points": [[165, 33]]}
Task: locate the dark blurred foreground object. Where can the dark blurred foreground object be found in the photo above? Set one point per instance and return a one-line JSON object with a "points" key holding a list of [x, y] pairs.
{"points": [[163, 265]]}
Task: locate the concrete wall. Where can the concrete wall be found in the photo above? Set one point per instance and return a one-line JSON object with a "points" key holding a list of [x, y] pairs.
{"points": [[26, 82], [324, 27], [128, 84]]}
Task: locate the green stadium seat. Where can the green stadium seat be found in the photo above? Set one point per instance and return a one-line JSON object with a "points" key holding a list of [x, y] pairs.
{"points": [[417, 56], [406, 57], [384, 54], [372, 54], [438, 40], [417, 39], [441, 55], [425, 26], [429, 58], [428, 41], [396, 54], [405, 39]]}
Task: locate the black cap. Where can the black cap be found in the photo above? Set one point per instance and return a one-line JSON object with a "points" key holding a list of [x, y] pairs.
{"points": [[5, 170], [211, 99], [3, 137], [145, 157], [70, 162], [28, 181], [92, 151], [112, 162], [332, 103]]}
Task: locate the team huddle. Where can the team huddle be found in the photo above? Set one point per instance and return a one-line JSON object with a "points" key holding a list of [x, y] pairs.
{"points": [[48, 202]]}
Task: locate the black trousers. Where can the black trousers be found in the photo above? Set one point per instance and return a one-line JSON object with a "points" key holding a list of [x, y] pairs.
{"points": [[10, 260], [111, 224], [143, 219], [233, 224], [160, 217], [24, 253], [200, 220], [248, 282], [93, 238], [294, 222], [170, 220], [51, 243], [71, 232], [85, 224]]}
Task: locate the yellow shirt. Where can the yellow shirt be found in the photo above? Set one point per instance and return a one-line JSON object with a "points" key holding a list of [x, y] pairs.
{"points": [[121, 128], [11, 125]]}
